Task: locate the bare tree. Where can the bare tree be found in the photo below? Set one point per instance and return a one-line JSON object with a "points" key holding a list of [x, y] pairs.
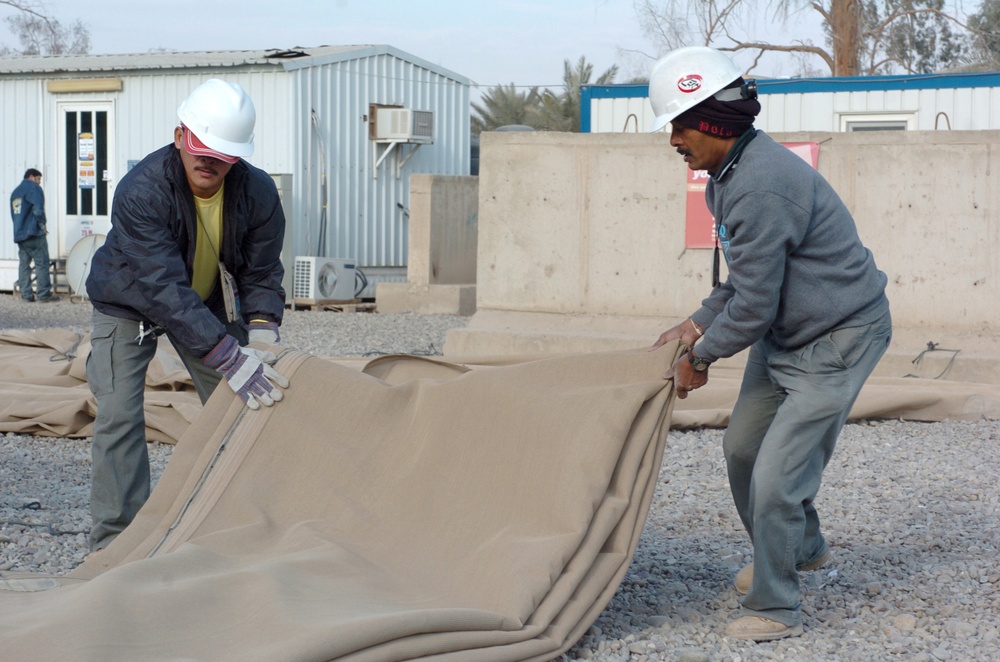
{"points": [[862, 38], [986, 48], [26, 6], [40, 34]]}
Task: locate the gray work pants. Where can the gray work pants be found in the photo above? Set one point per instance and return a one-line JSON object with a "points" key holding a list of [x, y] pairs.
{"points": [[116, 374], [34, 249], [791, 408]]}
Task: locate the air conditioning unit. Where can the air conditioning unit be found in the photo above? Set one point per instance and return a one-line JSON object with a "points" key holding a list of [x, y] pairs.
{"points": [[404, 125], [324, 278]]}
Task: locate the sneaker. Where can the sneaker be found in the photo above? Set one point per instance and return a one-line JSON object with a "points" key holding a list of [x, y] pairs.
{"points": [[745, 576], [32, 300], [50, 299], [756, 628]]}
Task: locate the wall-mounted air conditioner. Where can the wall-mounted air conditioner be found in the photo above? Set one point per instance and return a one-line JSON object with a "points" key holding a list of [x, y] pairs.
{"points": [[324, 278], [403, 125]]}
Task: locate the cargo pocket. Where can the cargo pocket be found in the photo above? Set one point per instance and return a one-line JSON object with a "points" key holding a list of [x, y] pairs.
{"points": [[100, 372]]}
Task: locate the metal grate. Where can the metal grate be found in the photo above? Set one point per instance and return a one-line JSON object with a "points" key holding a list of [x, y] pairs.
{"points": [[303, 279]]}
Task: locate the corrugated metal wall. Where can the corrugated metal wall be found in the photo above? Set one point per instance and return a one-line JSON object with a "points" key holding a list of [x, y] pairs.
{"points": [[23, 127], [146, 113], [144, 116], [345, 207], [962, 108], [338, 208], [966, 109]]}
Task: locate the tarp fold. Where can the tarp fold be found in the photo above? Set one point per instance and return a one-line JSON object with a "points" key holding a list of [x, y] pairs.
{"points": [[431, 511]]}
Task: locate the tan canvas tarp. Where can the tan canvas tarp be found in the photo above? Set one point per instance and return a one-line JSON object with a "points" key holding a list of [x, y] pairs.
{"points": [[43, 387], [463, 515], [43, 391]]}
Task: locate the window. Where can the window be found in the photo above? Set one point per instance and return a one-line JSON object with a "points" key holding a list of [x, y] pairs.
{"points": [[876, 122]]}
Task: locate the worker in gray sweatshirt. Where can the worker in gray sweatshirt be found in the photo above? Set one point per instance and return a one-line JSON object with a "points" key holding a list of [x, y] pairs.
{"points": [[802, 292]]}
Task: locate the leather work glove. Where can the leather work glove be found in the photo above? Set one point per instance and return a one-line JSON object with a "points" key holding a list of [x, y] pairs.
{"points": [[264, 332], [247, 372]]}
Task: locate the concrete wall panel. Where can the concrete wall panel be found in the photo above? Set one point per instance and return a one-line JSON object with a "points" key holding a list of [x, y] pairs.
{"points": [[592, 226]]}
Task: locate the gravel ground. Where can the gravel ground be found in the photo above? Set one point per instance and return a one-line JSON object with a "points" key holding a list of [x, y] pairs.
{"points": [[911, 510]]}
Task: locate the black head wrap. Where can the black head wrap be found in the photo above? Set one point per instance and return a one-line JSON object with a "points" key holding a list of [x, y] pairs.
{"points": [[722, 119]]}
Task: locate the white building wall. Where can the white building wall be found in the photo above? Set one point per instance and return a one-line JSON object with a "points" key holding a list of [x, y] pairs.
{"points": [[366, 207], [144, 116], [146, 113], [964, 109], [612, 115], [365, 216], [22, 123]]}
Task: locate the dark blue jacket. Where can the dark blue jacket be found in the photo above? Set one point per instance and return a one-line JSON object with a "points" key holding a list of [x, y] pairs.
{"points": [[143, 270], [27, 209]]}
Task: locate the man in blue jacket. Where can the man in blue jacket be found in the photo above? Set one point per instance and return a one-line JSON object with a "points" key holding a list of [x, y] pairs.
{"points": [[803, 293], [193, 253], [27, 210]]}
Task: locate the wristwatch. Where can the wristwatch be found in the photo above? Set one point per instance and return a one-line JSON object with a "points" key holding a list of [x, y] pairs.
{"points": [[699, 364]]}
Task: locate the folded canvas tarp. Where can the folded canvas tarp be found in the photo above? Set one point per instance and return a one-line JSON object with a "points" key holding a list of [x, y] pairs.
{"points": [[43, 391], [419, 509]]}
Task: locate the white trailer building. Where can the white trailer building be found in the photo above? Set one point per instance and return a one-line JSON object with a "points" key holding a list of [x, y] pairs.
{"points": [[340, 128], [924, 102]]}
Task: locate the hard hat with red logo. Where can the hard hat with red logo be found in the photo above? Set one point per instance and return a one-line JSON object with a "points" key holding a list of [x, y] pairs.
{"points": [[221, 116], [683, 78]]}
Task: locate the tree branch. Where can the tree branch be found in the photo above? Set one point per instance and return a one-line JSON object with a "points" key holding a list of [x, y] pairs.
{"points": [[36, 9], [794, 48]]}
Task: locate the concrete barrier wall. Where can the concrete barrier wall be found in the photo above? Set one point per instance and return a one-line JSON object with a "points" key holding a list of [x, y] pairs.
{"points": [[581, 236], [442, 251]]}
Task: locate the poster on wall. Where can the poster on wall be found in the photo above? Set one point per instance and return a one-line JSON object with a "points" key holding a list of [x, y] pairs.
{"points": [[699, 227], [86, 168]]}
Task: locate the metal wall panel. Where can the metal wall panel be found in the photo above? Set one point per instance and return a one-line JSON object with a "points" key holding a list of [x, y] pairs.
{"points": [[348, 207], [23, 127], [967, 108], [147, 113], [340, 208]]}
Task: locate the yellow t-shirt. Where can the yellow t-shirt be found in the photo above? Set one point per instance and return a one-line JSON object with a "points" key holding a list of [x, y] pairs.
{"points": [[206, 248]]}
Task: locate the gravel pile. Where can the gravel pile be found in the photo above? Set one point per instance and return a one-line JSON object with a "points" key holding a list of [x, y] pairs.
{"points": [[911, 510]]}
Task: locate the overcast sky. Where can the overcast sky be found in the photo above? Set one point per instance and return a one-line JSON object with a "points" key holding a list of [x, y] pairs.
{"points": [[489, 41], [492, 42]]}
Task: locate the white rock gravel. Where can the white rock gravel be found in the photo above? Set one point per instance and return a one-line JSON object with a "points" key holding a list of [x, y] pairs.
{"points": [[911, 510]]}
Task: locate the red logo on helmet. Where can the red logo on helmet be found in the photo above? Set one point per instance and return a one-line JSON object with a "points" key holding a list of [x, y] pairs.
{"points": [[689, 83]]}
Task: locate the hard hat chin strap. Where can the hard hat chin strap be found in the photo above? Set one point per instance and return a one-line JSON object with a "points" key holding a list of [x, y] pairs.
{"points": [[748, 90]]}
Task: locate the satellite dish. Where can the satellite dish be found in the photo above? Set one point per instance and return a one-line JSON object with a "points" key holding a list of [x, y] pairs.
{"points": [[78, 262]]}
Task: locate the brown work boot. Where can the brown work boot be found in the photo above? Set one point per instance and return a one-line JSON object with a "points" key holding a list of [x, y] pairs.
{"points": [[756, 628], [745, 576]]}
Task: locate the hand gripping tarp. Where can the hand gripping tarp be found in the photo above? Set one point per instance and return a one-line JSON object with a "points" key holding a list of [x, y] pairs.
{"points": [[430, 511]]}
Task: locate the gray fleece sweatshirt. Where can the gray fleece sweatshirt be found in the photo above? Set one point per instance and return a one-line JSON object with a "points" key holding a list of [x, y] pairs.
{"points": [[797, 268]]}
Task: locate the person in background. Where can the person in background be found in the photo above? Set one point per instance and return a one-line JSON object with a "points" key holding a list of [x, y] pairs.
{"points": [[193, 253], [27, 210], [803, 293]]}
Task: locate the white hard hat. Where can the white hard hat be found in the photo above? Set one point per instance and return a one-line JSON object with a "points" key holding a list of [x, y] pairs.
{"points": [[222, 116], [683, 78]]}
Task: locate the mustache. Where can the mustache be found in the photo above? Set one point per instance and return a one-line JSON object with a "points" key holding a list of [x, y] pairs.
{"points": [[201, 165]]}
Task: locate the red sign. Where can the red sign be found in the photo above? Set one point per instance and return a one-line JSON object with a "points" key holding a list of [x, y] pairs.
{"points": [[700, 224]]}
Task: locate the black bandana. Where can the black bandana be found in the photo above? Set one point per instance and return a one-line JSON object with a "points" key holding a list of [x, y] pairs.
{"points": [[722, 119]]}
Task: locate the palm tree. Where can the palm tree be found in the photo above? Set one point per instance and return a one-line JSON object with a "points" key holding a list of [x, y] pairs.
{"points": [[561, 112], [503, 105]]}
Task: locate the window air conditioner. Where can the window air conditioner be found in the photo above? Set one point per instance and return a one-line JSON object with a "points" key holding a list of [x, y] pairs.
{"points": [[404, 125], [324, 278]]}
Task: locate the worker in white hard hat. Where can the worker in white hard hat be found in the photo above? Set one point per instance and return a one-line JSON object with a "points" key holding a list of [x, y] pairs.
{"points": [[193, 254], [802, 293]]}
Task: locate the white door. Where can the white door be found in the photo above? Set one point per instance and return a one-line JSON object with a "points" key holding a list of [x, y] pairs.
{"points": [[85, 174]]}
